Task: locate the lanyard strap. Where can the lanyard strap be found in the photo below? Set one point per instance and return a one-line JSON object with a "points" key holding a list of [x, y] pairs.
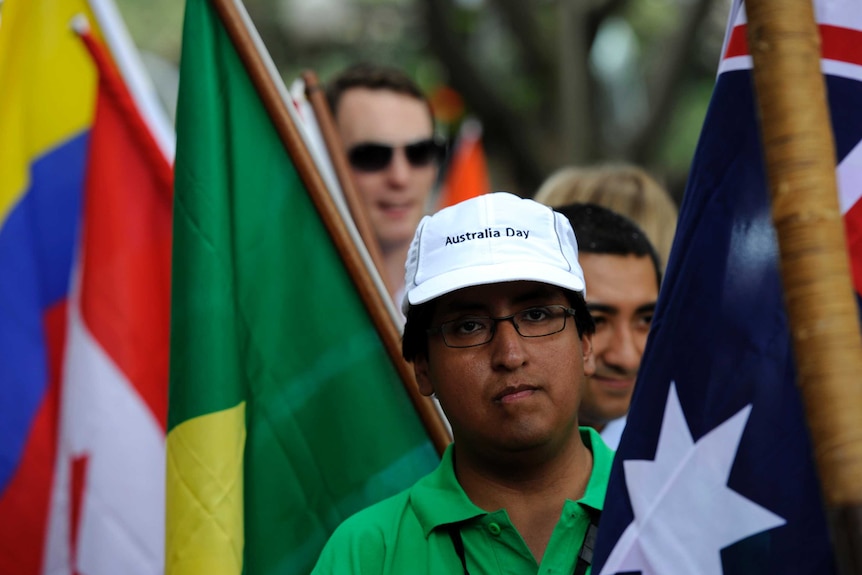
{"points": [[585, 555]]}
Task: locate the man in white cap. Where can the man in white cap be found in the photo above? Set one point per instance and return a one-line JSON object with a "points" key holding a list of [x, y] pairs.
{"points": [[497, 328]]}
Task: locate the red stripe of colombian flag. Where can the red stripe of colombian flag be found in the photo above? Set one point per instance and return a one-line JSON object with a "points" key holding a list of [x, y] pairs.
{"points": [[107, 512]]}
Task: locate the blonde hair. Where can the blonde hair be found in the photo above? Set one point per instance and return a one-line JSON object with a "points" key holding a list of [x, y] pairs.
{"points": [[623, 188]]}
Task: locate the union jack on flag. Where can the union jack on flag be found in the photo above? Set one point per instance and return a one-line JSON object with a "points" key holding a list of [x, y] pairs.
{"points": [[715, 472], [840, 25]]}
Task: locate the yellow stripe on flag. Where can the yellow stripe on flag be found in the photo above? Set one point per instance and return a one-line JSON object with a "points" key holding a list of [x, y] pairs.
{"points": [[205, 494], [48, 86]]}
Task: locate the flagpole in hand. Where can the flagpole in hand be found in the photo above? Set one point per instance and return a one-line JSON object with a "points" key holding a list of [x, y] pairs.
{"points": [[371, 296], [316, 98], [824, 320]]}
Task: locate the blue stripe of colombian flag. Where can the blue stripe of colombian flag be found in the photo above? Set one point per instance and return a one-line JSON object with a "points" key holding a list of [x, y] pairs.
{"points": [[46, 108], [36, 243]]}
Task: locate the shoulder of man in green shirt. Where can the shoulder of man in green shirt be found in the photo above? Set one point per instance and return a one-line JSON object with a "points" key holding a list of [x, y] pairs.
{"points": [[406, 533]]}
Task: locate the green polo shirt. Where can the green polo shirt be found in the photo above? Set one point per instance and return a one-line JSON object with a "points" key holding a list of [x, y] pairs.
{"points": [[407, 532]]}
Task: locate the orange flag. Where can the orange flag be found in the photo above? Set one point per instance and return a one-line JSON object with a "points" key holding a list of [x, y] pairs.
{"points": [[467, 175]]}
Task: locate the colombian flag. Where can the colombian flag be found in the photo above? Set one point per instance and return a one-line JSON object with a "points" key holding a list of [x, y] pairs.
{"points": [[84, 290]]}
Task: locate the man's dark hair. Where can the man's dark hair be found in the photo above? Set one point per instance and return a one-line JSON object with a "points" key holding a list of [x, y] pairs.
{"points": [[602, 231], [373, 77], [414, 342]]}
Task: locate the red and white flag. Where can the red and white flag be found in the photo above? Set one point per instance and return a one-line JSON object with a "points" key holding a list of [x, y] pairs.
{"points": [[82, 425], [107, 506]]}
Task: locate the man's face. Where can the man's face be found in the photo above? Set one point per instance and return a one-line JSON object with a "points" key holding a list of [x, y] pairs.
{"points": [[511, 394], [396, 194], [621, 296]]}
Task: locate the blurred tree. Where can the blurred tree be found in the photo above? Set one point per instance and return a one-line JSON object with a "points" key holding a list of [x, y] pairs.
{"points": [[554, 82], [607, 80]]}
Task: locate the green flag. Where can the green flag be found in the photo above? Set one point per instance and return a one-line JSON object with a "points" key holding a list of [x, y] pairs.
{"points": [[286, 414]]}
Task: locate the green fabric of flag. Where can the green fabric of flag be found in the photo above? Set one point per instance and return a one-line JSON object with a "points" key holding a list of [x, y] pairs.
{"points": [[286, 414]]}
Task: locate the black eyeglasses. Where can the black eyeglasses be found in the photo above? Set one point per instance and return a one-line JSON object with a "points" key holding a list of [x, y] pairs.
{"points": [[473, 330], [374, 156]]}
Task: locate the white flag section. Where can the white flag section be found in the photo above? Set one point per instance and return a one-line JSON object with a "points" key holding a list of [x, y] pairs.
{"points": [[107, 513], [669, 535]]}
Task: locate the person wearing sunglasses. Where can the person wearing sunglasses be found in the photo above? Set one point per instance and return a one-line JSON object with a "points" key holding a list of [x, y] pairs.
{"points": [[498, 329], [386, 125]]}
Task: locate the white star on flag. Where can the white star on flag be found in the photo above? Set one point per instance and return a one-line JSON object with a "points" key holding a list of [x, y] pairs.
{"points": [[684, 513]]}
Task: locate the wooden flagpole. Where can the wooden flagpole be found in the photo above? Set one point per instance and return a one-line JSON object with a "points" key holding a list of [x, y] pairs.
{"points": [[824, 320], [326, 123], [235, 22]]}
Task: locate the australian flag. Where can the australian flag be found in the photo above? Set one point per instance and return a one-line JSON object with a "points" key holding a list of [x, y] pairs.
{"points": [[715, 473]]}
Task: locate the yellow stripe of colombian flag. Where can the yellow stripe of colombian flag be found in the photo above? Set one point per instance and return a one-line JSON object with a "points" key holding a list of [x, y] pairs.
{"points": [[45, 68]]}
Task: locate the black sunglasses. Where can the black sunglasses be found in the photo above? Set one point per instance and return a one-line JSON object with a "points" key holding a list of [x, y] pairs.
{"points": [[373, 157]]}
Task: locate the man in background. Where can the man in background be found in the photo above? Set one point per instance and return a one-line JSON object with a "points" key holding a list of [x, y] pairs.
{"points": [[622, 273], [386, 125]]}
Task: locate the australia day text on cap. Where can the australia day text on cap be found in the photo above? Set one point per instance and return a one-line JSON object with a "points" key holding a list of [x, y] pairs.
{"points": [[491, 238]]}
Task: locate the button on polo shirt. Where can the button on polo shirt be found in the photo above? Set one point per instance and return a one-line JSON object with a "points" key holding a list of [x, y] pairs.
{"points": [[407, 533]]}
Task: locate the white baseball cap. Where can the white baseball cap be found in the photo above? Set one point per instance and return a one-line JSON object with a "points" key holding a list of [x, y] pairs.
{"points": [[491, 238]]}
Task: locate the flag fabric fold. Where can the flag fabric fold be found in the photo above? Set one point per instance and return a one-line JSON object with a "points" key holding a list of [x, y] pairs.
{"points": [[84, 290], [286, 414], [715, 471]]}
